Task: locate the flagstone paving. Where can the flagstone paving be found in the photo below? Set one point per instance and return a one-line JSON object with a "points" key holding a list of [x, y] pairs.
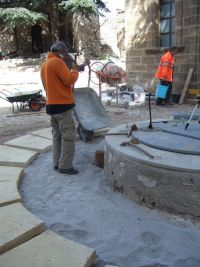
{"points": [[9, 180], [21, 233], [16, 157], [49, 249], [31, 142], [17, 225], [46, 133]]}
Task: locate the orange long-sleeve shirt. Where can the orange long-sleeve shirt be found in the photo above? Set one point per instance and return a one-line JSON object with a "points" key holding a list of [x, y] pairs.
{"points": [[58, 80], [165, 68]]}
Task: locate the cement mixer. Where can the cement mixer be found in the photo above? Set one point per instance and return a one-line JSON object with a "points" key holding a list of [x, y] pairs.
{"points": [[113, 75], [109, 73]]}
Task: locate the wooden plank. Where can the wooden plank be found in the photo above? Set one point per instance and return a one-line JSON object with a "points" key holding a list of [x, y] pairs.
{"points": [[187, 82], [193, 91], [27, 114]]}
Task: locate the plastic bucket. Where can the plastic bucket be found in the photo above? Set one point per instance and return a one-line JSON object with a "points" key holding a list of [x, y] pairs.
{"points": [[161, 91]]}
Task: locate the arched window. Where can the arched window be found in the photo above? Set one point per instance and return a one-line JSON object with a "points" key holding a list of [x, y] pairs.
{"points": [[167, 23]]}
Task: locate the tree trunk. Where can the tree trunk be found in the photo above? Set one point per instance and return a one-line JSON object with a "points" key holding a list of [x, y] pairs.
{"points": [[16, 39], [54, 16]]}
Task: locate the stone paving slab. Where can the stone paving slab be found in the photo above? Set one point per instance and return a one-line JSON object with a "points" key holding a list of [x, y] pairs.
{"points": [[46, 133], [9, 180], [49, 249], [31, 142], [16, 157], [17, 225]]}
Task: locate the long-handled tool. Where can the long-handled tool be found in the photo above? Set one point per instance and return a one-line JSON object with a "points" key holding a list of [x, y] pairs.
{"points": [[134, 142], [193, 112], [131, 128]]}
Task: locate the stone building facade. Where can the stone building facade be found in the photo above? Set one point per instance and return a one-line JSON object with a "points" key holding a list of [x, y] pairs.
{"points": [[146, 21]]}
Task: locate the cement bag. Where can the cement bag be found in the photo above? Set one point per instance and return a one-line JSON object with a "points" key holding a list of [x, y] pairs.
{"points": [[139, 94]]}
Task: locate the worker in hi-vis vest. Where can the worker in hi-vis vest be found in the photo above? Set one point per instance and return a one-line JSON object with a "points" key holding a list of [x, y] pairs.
{"points": [[165, 74]]}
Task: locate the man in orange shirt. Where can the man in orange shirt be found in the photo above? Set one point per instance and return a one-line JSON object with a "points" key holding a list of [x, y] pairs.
{"points": [[165, 74], [58, 81]]}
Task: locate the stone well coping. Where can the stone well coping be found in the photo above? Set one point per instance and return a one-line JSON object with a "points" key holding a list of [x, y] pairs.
{"points": [[162, 159], [18, 225], [169, 181]]}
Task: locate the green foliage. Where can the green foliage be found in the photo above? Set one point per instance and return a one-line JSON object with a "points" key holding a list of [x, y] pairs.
{"points": [[83, 7], [19, 16], [79, 6]]}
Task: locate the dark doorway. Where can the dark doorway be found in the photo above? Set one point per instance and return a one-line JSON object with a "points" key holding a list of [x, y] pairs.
{"points": [[36, 33]]}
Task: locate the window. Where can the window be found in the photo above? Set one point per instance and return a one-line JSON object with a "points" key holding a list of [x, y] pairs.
{"points": [[167, 23]]}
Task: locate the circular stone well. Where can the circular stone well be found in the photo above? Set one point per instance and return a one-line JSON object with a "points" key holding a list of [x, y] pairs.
{"points": [[162, 171]]}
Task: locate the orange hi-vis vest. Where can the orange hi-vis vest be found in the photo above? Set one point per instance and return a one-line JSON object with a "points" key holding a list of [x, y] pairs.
{"points": [[165, 68], [58, 80]]}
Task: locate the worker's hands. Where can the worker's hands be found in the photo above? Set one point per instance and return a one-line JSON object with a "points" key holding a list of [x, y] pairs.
{"points": [[75, 65]]}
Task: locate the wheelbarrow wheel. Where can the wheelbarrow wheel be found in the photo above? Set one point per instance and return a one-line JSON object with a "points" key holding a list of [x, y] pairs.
{"points": [[85, 135], [34, 105]]}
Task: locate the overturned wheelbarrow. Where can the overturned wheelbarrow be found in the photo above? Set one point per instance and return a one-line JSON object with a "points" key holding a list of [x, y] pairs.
{"points": [[90, 114]]}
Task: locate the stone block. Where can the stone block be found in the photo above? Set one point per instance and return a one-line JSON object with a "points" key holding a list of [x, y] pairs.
{"points": [[16, 157], [49, 249], [194, 3], [46, 133], [17, 225], [192, 20], [31, 142], [134, 60], [9, 179]]}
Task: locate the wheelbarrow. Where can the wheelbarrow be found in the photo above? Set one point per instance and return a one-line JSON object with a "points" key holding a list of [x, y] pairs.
{"points": [[34, 100], [90, 114]]}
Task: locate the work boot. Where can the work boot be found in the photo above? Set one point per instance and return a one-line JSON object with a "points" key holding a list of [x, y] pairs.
{"points": [[70, 171], [55, 168]]}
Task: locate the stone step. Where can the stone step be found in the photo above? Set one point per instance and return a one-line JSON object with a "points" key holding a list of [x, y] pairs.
{"points": [[17, 225], [16, 157], [31, 142], [49, 249], [9, 179]]}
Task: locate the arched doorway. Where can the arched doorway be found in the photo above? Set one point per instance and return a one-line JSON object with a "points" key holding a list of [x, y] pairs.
{"points": [[36, 34]]}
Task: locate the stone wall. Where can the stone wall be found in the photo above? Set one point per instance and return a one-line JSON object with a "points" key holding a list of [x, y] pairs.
{"points": [[21, 40], [7, 42], [143, 43], [86, 36]]}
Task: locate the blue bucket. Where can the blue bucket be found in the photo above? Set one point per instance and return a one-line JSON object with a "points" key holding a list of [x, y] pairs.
{"points": [[161, 91]]}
